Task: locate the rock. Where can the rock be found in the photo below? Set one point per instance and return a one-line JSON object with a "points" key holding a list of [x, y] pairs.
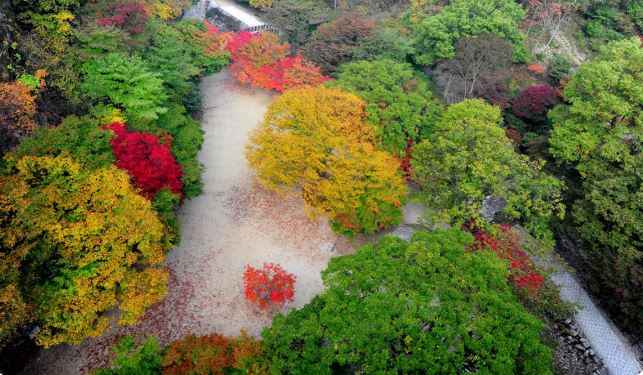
{"points": [[579, 347], [491, 206]]}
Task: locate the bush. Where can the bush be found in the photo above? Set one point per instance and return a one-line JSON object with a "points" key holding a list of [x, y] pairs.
{"points": [[130, 360], [297, 19], [426, 305], [559, 69], [269, 287], [149, 163], [534, 102]]}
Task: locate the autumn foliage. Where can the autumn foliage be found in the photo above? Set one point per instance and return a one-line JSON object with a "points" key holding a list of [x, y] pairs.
{"points": [[315, 141], [128, 14], [534, 102], [208, 355], [260, 60], [17, 109], [75, 245], [149, 162], [270, 287], [507, 246], [213, 41]]}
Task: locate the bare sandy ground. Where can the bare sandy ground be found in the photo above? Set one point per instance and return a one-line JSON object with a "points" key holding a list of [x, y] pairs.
{"points": [[231, 224]]}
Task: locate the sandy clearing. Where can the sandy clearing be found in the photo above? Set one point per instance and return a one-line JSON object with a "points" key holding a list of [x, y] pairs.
{"points": [[231, 224]]}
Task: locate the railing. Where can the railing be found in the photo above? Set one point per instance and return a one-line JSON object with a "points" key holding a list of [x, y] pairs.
{"points": [[260, 28]]}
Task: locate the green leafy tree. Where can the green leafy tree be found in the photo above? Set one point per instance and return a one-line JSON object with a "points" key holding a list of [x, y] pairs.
{"points": [[601, 118], [82, 138], [599, 130], [127, 82], [423, 306], [399, 102], [436, 35], [469, 159], [298, 19], [386, 43]]}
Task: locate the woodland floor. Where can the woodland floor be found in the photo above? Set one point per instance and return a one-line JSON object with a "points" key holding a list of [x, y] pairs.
{"points": [[231, 224]]}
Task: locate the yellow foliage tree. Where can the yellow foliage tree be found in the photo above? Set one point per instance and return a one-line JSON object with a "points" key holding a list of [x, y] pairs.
{"points": [[316, 139], [76, 244]]}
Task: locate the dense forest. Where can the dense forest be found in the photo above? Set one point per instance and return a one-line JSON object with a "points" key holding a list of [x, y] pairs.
{"points": [[516, 125]]}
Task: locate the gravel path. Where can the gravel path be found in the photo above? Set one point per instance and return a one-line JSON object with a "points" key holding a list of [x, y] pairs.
{"points": [[231, 224]]}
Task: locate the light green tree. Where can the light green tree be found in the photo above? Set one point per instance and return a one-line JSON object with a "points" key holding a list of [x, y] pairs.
{"points": [[398, 101], [127, 82], [468, 158], [436, 35]]}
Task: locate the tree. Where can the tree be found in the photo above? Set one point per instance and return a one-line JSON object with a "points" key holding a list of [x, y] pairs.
{"points": [[601, 116], [80, 138], [599, 131], [209, 355], [298, 19], [424, 306], [469, 161], [316, 139], [127, 82], [334, 43], [128, 14], [548, 16], [17, 113], [269, 287], [480, 65], [76, 244], [436, 35], [385, 44], [534, 102], [608, 218], [149, 162], [398, 101], [259, 59]]}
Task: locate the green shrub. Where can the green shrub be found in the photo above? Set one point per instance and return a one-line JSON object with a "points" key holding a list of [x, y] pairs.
{"points": [[423, 306], [131, 360], [165, 204]]}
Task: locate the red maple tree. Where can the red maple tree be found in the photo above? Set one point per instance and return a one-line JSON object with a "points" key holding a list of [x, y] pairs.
{"points": [[262, 61], [270, 287], [507, 246], [149, 163], [534, 102], [129, 15]]}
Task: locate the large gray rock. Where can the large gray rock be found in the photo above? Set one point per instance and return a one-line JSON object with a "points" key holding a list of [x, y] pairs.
{"points": [[491, 206]]}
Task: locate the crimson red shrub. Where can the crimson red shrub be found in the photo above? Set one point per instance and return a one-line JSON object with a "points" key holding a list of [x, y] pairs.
{"points": [[507, 246], [534, 102], [269, 287], [149, 163], [129, 15]]}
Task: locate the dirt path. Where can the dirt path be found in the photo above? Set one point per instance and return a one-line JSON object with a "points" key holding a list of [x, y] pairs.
{"points": [[231, 224]]}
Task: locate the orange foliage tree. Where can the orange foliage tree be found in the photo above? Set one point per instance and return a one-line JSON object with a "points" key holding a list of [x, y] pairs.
{"points": [[316, 139], [260, 60], [209, 355], [17, 112], [269, 287], [75, 244]]}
